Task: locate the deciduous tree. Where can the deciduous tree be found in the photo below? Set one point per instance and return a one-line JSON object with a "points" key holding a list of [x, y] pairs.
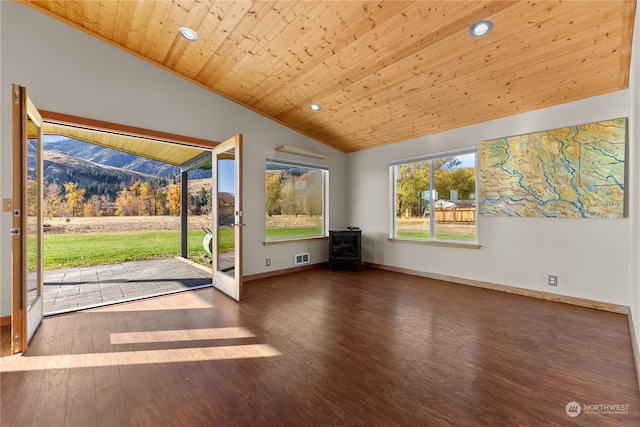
{"points": [[313, 194], [291, 202], [32, 197], [173, 198], [273, 199], [146, 200], [92, 206], [74, 197], [161, 203], [52, 200], [412, 180], [127, 204]]}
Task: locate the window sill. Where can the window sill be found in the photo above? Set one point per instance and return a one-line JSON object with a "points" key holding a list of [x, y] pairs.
{"points": [[436, 243], [293, 240]]}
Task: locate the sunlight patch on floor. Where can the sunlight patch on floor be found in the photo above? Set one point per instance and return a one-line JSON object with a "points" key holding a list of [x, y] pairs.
{"points": [[180, 335], [19, 362]]}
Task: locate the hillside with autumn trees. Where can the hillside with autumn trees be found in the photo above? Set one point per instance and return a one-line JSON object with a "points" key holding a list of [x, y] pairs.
{"points": [[78, 187], [140, 198]]}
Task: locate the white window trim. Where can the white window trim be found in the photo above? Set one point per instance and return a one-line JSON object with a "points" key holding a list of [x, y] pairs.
{"points": [[393, 185], [325, 200]]}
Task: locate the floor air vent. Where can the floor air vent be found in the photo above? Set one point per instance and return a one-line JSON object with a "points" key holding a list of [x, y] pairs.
{"points": [[301, 259]]}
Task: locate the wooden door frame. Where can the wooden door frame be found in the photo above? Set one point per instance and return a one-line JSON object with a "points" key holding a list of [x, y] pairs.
{"points": [[19, 222], [23, 111]]}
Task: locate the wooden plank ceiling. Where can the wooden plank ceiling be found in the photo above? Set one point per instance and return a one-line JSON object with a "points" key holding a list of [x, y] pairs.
{"points": [[382, 71]]}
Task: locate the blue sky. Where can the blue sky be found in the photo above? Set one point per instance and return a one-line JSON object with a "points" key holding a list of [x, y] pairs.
{"points": [[226, 174], [468, 160]]}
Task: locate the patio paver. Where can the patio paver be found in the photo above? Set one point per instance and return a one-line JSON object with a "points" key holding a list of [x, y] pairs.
{"points": [[77, 288]]}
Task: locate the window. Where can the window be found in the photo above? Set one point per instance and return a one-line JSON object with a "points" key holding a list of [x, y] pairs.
{"points": [[294, 199], [434, 197]]}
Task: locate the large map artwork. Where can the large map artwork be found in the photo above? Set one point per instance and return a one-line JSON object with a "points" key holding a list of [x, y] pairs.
{"points": [[574, 172]]}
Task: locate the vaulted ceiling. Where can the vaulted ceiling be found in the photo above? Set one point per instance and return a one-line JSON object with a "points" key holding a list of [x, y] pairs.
{"points": [[382, 71]]}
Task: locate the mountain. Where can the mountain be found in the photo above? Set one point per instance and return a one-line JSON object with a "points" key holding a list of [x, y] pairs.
{"points": [[100, 170], [109, 157], [99, 179]]}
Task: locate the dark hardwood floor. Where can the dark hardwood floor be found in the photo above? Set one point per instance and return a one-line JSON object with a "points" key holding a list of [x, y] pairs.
{"points": [[319, 348]]}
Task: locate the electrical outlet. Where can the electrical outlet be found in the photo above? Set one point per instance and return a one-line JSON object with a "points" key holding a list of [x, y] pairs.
{"points": [[553, 280], [268, 262]]}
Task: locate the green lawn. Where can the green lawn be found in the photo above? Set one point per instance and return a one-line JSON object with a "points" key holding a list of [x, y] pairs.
{"points": [[84, 249], [284, 233], [441, 236]]}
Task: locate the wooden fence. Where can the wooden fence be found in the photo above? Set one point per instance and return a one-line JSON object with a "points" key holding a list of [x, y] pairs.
{"points": [[455, 215]]}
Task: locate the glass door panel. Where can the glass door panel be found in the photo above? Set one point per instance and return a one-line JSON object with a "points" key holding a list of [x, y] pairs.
{"points": [[34, 231], [227, 235]]}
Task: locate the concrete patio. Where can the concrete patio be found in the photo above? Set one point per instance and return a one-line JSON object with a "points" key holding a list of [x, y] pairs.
{"points": [[78, 288]]}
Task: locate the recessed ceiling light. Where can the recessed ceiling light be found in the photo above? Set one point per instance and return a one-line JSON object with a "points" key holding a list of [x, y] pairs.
{"points": [[314, 107], [480, 28], [188, 34]]}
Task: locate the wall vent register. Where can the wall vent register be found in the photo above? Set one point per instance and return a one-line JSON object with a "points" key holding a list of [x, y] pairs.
{"points": [[301, 259]]}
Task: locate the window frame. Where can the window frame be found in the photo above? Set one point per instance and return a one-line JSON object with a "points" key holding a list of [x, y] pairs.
{"points": [[432, 240], [325, 199]]}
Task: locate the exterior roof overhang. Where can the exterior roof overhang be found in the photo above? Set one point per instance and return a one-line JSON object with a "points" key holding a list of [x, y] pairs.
{"points": [[185, 152]]}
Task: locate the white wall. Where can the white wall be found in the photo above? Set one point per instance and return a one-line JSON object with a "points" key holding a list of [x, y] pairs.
{"points": [[69, 72], [590, 256]]}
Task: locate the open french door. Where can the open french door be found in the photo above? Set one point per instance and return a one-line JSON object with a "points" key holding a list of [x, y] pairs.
{"points": [[227, 217], [27, 225]]}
